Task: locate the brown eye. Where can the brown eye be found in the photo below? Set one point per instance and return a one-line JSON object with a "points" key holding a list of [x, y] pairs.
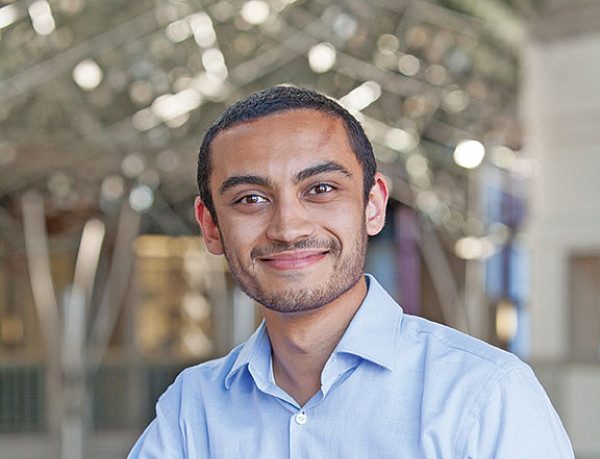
{"points": [[252, 199], [321, 188]]}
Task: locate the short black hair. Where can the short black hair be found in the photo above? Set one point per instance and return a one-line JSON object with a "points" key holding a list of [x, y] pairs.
{"points": [[280, 99]]}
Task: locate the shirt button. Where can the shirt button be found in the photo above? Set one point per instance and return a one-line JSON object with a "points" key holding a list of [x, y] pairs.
{"points": [[301, 418]]}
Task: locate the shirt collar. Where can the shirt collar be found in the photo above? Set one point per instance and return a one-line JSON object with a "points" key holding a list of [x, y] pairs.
{"points": [[372, 334], [374, 331], [257, 345]]}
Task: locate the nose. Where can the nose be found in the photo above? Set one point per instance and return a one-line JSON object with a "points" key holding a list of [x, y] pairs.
{"points": [[290, 221]]}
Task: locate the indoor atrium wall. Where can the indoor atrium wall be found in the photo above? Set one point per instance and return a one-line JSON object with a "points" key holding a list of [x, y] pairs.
{"points": [[561, 107]]}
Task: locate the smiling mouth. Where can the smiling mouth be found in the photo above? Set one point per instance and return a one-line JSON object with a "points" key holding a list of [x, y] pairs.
{"points": [[293, 260]]}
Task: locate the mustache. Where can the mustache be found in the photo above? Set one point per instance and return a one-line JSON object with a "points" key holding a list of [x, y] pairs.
{"points": [[326, 245]]}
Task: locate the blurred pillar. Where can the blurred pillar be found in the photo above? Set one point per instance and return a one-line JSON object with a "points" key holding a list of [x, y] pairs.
{"points": [[409, 259], [476, 307], [38, 261], [74, 415]]}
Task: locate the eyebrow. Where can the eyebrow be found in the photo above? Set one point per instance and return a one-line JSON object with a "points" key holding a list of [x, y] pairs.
{"points": [[249, 179], [329, 166]]}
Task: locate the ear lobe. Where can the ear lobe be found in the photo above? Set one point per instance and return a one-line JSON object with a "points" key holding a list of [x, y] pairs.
{"points": [[210, 230], [375, 210]]}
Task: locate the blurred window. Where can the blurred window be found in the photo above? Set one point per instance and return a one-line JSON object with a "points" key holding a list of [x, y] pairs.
{"points": [[585, 306], [173, 312]]}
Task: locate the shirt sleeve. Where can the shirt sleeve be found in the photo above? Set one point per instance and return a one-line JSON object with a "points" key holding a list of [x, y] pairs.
{"points": [[162, 438], [517, 420]]}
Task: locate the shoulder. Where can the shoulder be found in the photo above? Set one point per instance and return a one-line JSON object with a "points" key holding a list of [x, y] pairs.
{"points": [[182, 409], [452, 346], [496, 395], [453, 364], [456, 370], [199, 381]]}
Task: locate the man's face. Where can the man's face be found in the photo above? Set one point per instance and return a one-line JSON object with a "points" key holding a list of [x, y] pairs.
{"points": [[292, 221]]}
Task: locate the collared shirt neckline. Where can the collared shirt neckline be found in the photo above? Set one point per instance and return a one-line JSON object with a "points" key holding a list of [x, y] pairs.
{"points": [[371, 335], [375, 328]]}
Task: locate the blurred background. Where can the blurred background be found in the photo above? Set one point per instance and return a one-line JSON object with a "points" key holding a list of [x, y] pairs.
{"points": [[484, 118]]}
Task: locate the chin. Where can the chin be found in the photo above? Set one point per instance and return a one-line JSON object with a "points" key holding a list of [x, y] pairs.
{"points": [[302, 298]]}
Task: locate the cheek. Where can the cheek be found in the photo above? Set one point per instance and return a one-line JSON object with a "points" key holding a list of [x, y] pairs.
{"points": [[240, 235], [343, 219]]}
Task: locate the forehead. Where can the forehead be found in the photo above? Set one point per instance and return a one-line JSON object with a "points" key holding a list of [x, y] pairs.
{"points": [[282, 142], [295, 137]]}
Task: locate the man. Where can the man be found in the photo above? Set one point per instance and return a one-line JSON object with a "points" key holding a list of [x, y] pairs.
{"points": [[289, 194]]}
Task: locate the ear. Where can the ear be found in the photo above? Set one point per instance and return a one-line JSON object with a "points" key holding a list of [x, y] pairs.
{"points": [[375, 209], [210, 230]]}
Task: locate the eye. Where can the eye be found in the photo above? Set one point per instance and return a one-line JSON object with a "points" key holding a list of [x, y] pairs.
{"points": [[321, 188], [251, 199]]}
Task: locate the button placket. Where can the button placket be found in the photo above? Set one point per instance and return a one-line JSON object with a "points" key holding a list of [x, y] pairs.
{"points": [[297, 421]]}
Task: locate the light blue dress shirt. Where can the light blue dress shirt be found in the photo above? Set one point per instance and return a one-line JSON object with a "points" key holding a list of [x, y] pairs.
{"points": [[396, 386]]}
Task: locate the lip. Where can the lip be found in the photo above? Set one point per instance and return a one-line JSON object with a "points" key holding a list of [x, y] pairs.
{"points": [[293, 260]]}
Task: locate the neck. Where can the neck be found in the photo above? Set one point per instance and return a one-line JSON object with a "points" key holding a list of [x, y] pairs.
{"points": [[302, 342]]}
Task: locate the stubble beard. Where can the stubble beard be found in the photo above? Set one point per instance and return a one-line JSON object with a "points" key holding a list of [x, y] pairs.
{"points": [[345, 274]]}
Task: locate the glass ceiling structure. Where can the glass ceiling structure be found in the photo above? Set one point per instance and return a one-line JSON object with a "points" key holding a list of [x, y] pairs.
{"points": [[107, 101]]}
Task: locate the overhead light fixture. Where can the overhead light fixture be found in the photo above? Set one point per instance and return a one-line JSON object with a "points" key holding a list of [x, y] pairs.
{"points": [[456, 101], [362, 96], [214, 62], [178, 31], [144, 120], [472, 248], [255, 12], [469, 154], [210, 85], [41, 17], [202, 28], [400, 139], [170, 106], [468, 248], [409, 65], [8, 15], [321, 57], [87, 74], [141, 198], [388, 44]]}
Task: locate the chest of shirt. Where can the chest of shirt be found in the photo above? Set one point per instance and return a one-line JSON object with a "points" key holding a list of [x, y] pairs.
{"points": [[387, 421]]}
